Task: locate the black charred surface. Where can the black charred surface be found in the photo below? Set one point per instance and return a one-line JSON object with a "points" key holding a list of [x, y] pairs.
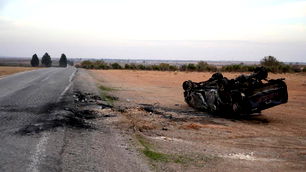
{"points": [[245, 94], [66, 113]]}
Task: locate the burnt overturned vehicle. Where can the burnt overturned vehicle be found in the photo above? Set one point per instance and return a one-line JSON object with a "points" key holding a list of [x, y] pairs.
{"points": [[245, 94]]}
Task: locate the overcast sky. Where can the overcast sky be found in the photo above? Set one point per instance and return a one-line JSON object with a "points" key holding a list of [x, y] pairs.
{"points": [[155, 29]]}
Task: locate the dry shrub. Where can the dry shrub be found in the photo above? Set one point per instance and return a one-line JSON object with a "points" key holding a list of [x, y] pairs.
{"points": [[138, 120], [144, 125]]}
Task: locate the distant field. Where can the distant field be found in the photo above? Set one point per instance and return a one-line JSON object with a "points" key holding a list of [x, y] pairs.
{"points": [[4, 70], [23, 61]]}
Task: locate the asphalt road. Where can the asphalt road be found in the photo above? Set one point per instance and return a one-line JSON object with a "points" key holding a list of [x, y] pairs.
{"points": [[24, 98], [28, 100]]}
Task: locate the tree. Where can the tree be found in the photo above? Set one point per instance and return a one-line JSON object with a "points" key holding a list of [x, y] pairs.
{"points": [[87, 64], [35, 61], [183, 67], [202, 66], [116, 66], [164, 66], [46, 60], [270, 61], [101, 64], [273, 65], [191, 67], [63, 61]]}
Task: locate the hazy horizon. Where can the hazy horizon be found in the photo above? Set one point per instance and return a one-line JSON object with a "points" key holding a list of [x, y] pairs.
{"points": [[238, 30]]}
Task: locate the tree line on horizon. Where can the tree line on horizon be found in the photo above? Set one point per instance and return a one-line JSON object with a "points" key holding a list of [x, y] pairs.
{"points": [[47, 62], [269, 62], [201, 66]]}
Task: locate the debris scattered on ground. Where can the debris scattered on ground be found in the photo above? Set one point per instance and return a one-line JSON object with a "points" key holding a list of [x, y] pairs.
{"points": [[150, 108], [62, 114]]}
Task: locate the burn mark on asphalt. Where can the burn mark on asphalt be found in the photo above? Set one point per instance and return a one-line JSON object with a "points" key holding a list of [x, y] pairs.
{"points": [[61, 119], [83, 114], [75, 114]]}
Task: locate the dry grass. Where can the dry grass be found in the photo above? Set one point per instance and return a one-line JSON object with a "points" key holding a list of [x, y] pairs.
{"points": [[139, 120], [5, 70], [209, 143]]}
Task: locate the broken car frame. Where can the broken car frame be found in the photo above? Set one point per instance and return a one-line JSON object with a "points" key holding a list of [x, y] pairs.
{"points": [[245, 94]]}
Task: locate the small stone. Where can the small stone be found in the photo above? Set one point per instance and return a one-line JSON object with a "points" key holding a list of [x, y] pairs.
{"points": [[164, 128], [168, 116]]}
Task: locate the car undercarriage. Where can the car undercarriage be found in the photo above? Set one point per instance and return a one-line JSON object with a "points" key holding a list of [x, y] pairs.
{"points": [[245, 94]]}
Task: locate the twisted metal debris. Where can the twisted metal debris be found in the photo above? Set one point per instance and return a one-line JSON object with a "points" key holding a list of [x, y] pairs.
{"points": [[245, 94]]}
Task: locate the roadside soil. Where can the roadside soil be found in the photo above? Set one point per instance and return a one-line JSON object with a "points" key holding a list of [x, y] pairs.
{"points": [[91, 143], [174, 137], [6, 70]]}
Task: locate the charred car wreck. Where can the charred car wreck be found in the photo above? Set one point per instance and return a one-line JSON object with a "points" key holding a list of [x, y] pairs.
{"points": [[245, 94]]}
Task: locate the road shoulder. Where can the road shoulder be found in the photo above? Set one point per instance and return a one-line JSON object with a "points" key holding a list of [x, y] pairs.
{"points": [[103, 148]]}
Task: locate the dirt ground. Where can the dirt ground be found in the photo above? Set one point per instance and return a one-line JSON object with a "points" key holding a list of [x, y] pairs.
{"points": [[6, 70], [174, 137]]}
